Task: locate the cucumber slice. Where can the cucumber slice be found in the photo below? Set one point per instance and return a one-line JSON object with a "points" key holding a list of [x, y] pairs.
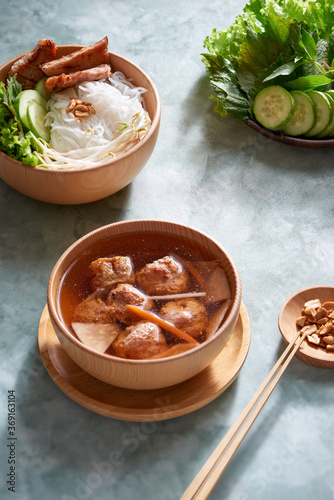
{"points": [[23, 100], [39, 87], [329, 130], [330, 93], [36, 116], [273, 107], [324, 112], [304, 117]]}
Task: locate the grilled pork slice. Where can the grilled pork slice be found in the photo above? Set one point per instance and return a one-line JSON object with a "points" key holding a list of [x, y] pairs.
{"points": [[85, 58], [54, 84], [27, 69]]}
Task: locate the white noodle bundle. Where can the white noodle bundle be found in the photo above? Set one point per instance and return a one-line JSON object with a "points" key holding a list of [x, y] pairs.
{"points": [[119, 123]]}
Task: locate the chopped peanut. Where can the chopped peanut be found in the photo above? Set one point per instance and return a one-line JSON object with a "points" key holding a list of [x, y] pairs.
{"points": [[80, 109], [301, 321], [313, 339], [313, 303], [327, 328], [328, 339], [317, 320], [321, 313], [309, 329], [329, 306]]}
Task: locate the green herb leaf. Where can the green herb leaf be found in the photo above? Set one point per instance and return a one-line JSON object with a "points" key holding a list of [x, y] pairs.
{"points": [[229, 97], [259, 50], [284, 70], [323, 52], [7, 95], [302, 42], [330, 74], [308, 82], [309, 44], [13, 88]]}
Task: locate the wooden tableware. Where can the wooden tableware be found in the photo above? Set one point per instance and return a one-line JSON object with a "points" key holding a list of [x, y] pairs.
{"points": [[291, 310], [301, 142], [70, 187], [151, 405], [144, 373]]}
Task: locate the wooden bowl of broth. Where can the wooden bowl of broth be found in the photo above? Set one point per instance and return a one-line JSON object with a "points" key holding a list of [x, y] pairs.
{"points": [[85, 185], [213, 277]]}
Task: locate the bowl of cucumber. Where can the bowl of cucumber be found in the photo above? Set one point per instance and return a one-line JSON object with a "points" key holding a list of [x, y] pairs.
{"points": [[32, 165], [298, 118]]}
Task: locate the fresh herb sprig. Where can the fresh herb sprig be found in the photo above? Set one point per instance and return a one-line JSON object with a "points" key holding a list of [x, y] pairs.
{"points": [[13, 141]]}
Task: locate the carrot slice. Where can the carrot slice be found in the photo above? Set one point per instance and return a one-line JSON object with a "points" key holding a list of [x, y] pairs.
{"points": [[195, 273], [159, 321]]}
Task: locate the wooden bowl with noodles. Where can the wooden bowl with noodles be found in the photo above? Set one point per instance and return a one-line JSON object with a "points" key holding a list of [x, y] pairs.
{"points": [[212, 282], [84, 185]]}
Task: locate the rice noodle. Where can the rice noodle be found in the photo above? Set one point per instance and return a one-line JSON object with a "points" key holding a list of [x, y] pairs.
{"points": [[120, 122]]}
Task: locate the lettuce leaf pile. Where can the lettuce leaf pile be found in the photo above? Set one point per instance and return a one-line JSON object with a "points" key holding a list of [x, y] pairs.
{"points": [[273, 42], [13, 141]]}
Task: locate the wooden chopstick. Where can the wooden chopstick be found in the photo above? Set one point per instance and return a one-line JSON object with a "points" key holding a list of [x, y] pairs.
{"points": [[206, 479]]}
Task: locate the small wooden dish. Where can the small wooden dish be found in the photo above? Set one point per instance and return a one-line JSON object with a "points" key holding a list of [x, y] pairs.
{"points": [[287, 139], [144, 405], [291, 309]]}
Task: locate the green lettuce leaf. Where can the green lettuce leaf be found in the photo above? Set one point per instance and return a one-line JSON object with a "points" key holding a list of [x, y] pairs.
{"points": [[226, 43], [318, 15], [13, 141], [15, 144]]}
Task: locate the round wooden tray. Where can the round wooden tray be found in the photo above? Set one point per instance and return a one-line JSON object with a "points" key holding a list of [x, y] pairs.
{"points": [[292, 141], [141, 406]]}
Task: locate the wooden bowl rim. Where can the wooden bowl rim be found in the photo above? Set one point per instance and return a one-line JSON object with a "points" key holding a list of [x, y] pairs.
{"points": [[113, 162], [290, 140], [233, 313]]}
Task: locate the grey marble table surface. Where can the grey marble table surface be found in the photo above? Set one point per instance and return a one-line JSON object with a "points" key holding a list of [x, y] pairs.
{"points": [[269, 204]]}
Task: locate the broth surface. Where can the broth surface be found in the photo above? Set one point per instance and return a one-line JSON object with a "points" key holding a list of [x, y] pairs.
{"points": [[142, 247]]}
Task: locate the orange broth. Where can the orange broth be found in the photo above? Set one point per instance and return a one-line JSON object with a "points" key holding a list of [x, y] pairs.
{"points": [[143, 247]]}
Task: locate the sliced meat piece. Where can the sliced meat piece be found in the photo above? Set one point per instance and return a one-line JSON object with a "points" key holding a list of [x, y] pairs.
{"points": [[187, 314], [163, 276], [93, 310], [139, 341], [123, 294], [54, 84], [108, 271], [27, 69], [85, 58]]}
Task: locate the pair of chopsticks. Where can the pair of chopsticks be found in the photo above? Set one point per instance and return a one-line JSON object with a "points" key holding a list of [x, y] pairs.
{"points": [[204, 482]]}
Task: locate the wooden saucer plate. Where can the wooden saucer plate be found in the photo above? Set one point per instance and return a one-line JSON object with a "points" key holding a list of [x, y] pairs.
{"points": [[291, 310], [292, 141], [150, 405]]}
